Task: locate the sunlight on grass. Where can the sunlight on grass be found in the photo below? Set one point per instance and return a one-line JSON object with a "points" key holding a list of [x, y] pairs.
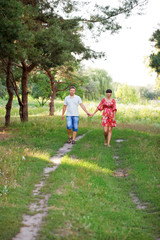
{"points": [[37, 154], [86, 165], [12, 162]]}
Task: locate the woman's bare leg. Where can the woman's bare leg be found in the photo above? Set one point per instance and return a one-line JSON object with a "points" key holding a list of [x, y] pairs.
{"points": [[106, 129], [109, 136]]}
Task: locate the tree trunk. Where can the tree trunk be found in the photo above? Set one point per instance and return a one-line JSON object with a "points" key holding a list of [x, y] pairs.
{"points": [[53, 91], [52, 98], [10, 93], [23, 111]]}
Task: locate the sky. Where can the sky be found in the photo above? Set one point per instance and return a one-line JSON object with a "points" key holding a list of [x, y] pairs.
{"points": [[127, 49]]}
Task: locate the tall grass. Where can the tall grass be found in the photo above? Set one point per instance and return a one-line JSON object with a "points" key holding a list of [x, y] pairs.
{"points": [[149, 113]]}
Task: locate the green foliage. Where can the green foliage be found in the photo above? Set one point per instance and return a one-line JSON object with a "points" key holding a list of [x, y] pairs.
{"points": [[49, 33], [155, 57], [98, 82], [149, 93], [41, 89], [3, 91], [127, 94], [10, 20]]}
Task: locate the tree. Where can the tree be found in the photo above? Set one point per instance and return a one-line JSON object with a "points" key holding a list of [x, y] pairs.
{"points": [[40, 88], [10, 19], [60, 79], [48, 33], [155, 57], [148, 93], [99, 82], [127, 94]]}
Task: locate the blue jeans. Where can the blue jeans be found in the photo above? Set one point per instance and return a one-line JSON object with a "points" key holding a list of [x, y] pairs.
{"points": [[72, 122]]}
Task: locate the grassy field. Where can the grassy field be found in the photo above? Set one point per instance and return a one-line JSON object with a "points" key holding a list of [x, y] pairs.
{"points": [[147, 114], [88, 201]]}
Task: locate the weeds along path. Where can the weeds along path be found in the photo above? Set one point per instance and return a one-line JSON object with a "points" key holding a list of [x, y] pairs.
{"points": [[37, 210]]}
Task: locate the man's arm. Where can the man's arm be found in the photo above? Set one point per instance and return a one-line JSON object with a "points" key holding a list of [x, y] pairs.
{"points": [[84, 109], [63, 111]]}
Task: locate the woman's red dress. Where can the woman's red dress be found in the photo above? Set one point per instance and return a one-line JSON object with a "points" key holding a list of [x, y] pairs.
{"points": [[108, 112]]}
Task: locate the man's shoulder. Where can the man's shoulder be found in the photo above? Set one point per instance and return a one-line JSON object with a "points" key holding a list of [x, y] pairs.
{"points": [[67, 97], [77, 96]]}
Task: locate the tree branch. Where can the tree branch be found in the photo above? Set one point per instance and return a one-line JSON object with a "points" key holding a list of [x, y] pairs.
{"points": [[30, 68], [60, 82], [16, 88], [13, 82], [16, 64], [58, 90]]}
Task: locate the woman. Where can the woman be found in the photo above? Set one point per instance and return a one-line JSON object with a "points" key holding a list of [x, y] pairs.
{"points": [[108, 105]]}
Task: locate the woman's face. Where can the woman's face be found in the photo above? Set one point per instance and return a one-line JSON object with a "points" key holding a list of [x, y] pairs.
{"points": [[108, 95]]}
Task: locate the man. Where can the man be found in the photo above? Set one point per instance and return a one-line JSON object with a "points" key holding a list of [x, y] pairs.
{"points": [[71, 103]]}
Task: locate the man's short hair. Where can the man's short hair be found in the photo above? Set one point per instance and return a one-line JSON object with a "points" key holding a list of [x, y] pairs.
{"points": [[72, 87]]}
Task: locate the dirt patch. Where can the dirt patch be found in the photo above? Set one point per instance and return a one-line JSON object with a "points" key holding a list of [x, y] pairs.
{"points": [[65, 231], [93, 158], [136, 200], [55, 208], [4, 134], [60, 191], [116, 157], [121, 173], [74, 157], [120, 140], [87, 146]]}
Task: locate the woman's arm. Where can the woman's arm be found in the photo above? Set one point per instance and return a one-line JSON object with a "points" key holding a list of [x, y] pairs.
{"points": [[100, 107], [114, 109], [114, 118], [94, 112]]}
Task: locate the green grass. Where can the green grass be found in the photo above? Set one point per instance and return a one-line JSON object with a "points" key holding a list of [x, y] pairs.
{"points": [[22, 159], [87, 200], [147, 114]]}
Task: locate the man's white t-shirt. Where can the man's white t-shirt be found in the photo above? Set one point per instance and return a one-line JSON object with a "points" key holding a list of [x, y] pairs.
{"points": [[72, 105]]}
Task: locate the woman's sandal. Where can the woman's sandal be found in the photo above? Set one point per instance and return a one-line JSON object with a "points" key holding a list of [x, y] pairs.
{"points": [[69, 140], [73, 142]]}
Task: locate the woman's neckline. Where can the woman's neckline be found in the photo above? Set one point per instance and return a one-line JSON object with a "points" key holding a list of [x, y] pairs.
{"points": [[109, 100]]}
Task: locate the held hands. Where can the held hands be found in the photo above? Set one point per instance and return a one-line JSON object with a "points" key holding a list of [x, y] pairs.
{"points": [[89, 114]]}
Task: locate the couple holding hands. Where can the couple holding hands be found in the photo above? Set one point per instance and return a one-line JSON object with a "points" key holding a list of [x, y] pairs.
{"points": [[108, 105]]}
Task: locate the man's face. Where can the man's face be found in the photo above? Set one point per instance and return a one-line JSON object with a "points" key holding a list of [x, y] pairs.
{"points": [[72, 91]]}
